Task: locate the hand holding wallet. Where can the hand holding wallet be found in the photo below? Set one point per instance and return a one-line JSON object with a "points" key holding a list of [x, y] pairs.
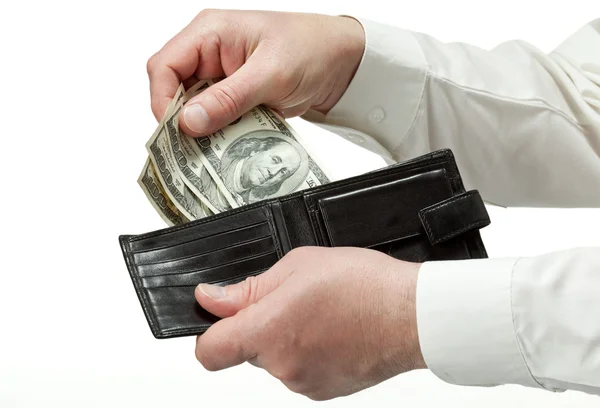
{"points": [[416, 211]]}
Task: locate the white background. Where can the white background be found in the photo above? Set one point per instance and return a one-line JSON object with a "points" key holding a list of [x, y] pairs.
{"points": [[76, 116]]}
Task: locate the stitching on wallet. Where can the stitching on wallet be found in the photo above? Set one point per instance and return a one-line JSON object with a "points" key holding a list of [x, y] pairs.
{"points": [[327, 222], [448, 180], [464, 229], [312, 209], [423, 214], [314, 226], [204, 269], [455, 173], [450, 201], [228, 280], [228, 231], [194, 223], [427, 227], [273, 232], [201, 328], [284, 230], [206, 253]]}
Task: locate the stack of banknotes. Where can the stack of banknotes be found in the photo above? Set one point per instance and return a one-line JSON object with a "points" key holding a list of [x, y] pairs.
{"points": [[255, 158]]}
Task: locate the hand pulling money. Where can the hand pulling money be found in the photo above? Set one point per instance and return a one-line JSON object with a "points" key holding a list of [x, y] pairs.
{"points": [[256, 157]]}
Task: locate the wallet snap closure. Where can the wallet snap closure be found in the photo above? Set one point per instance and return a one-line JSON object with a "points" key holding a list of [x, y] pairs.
{"points": [[454, 216]]}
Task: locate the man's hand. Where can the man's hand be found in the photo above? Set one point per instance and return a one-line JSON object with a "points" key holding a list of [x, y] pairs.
{"points": [[290, 62], [327, 322]]}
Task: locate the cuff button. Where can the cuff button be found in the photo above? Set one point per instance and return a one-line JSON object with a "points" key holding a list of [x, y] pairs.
{"points": [[376, 115], [353, 137]]}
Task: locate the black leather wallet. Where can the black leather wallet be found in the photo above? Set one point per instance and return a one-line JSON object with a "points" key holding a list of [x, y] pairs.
{"points": [[417, 210]]}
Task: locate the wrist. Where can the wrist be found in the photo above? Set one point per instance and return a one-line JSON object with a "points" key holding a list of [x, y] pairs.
{"points": [[403, 337], [349, 47], [353, 42], [414, 347]]}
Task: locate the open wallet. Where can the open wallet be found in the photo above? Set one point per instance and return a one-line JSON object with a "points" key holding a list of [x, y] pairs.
{"points": [[417, 211]]}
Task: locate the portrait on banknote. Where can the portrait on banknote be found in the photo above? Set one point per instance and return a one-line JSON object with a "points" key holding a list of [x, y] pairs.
{"points": [[256, 157], [263, 164]]}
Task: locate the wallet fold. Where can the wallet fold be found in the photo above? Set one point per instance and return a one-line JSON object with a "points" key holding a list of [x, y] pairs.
{"points": [[416, 210]]}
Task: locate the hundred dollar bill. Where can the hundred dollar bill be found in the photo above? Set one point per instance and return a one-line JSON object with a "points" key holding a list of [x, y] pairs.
{"points": [[257, 157], [166, 169], [189, 164], [149, 183]]}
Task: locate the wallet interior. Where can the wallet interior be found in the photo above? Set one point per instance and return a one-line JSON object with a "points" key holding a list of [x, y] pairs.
{"points": [[380, 210], [169, 268]]}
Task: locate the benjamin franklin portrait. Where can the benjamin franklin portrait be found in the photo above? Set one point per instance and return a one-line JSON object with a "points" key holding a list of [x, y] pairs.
{"points": [[264, 164]]}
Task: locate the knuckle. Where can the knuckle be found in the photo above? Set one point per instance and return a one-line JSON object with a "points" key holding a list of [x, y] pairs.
{"points": [[204, 359], [229, 100], [250, 288], [273, 68], [206, 12], [210, 36], [295, 387], [317, 396], [152, 63], [281, 69], [283, 77], [214, 18], [291, 376], [211, 20]]}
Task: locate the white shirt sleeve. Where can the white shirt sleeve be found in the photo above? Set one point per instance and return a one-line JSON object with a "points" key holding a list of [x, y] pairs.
{"points": [[524, 127]]}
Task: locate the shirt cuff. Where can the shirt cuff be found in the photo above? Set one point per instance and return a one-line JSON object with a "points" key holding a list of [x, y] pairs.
{"points": [[465, 323], [384, 96]]}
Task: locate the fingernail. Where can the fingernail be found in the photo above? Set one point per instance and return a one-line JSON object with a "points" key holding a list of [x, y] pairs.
{"points": [[212, 291], [196, 118]]}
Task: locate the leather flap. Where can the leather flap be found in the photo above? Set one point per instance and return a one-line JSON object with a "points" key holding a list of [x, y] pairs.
{"points": [[454, 216], [381, 212]]}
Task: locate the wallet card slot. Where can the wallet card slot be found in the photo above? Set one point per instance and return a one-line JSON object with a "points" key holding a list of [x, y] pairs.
{"points": [[196, 230], [241, 267], [204, 245], [175, 308], [215, 258], [280, 227]]}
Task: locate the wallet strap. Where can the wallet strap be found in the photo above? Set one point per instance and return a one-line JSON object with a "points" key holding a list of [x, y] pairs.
{"points": [[454, 216]]}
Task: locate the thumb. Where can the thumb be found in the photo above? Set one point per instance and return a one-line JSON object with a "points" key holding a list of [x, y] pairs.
{"points": [[225, 101], [226, 301]]}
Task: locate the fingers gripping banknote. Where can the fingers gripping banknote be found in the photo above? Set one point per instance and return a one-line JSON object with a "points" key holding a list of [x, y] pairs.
{"points": [[158, 148], [188, 157], [256, 157]]}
